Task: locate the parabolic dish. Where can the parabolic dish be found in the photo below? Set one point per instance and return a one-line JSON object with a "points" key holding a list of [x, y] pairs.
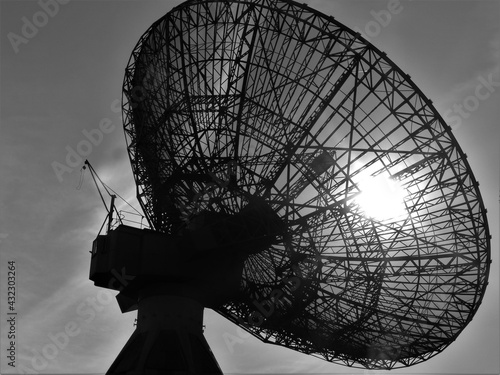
{"points": [[228, 100]]}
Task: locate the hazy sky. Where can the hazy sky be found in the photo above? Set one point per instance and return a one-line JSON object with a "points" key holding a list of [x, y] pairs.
{"points": [[64, 76]]}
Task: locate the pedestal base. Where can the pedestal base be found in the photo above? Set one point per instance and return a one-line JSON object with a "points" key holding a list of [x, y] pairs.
{"points": [[168, 340]]}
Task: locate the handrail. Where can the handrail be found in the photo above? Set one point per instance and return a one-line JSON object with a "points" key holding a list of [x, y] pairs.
{"points": [[130, 217]]}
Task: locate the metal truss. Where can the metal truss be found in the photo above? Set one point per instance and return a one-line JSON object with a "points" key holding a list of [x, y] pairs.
{"points": [[225, 100]]}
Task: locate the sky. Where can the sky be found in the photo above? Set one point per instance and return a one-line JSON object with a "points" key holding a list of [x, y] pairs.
{"points": [[61, 78]]}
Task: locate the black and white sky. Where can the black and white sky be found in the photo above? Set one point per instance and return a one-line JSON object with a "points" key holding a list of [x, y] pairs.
{"points": [[61, 77]]}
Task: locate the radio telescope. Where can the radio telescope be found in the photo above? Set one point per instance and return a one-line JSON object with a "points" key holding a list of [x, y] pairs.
{"points": [[298, 183]]}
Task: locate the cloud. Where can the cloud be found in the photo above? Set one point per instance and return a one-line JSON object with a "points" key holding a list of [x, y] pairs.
{"points": [[49, 98]]}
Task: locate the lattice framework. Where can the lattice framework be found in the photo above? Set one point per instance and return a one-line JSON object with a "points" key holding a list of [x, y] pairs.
{"points": [[225, 100]]}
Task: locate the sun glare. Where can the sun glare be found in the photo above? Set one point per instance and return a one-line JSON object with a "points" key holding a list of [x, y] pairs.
{"points": [[381, 198]]}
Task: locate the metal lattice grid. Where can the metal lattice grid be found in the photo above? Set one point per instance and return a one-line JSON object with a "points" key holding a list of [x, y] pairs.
{"points": [[225, 100]]}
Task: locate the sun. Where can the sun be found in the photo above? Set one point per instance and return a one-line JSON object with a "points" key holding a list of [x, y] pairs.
{"points": [[381, 198]]}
